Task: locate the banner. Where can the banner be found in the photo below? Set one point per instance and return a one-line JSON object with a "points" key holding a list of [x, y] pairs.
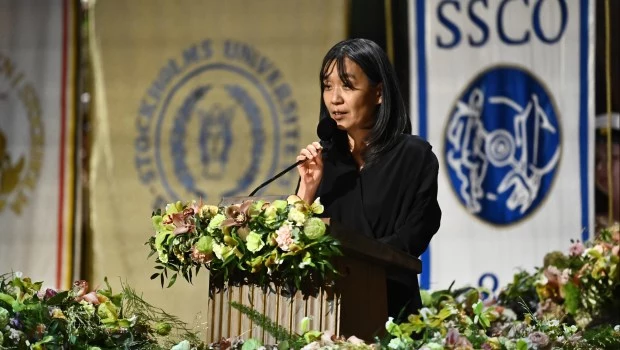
{"points": [[37, 146], [503, 91], [197, 100]]}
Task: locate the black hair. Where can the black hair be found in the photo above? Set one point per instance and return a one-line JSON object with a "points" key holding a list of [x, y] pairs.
{"points": [[391, 119]]}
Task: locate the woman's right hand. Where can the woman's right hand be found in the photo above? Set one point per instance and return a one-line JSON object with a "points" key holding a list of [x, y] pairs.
{"points": [[310, 171]]}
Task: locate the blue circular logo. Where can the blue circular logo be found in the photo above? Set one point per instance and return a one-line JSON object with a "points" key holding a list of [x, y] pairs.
{"points": [[217, 121], [503, 145]]}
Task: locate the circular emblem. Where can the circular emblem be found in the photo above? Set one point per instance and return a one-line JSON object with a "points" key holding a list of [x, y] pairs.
{"points": [[21, 137], [502, 145], [218, 120]]}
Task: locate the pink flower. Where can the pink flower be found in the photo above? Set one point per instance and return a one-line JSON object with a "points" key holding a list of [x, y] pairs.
{"points": [[91, 298], [200, 257], [616, 250], [576, 249], [182, 221], [284, 237]]}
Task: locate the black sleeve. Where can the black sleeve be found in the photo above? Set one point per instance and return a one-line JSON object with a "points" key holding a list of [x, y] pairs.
{"points": [[422, 211]]}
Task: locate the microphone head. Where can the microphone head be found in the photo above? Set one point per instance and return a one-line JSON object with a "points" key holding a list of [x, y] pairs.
{"points": [[325, 129]]}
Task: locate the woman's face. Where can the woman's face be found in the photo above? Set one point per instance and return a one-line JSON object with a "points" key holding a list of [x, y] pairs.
{"points": [[352, 107], [601, 169]]}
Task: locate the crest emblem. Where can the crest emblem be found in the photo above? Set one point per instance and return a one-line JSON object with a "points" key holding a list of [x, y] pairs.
{"points": [[503, 145]]}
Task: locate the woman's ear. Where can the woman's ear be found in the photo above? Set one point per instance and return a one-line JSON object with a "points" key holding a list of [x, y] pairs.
{"points": [[379, 93]]}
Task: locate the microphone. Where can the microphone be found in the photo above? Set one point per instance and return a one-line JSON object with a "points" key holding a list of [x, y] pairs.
{"points": [[325, 130]]}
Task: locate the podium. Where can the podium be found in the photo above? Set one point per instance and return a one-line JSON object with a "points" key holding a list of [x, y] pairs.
{"points": [[356, 305]]}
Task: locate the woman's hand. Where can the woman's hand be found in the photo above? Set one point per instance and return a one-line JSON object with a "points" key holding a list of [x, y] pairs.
{"points": [[310, 171]]}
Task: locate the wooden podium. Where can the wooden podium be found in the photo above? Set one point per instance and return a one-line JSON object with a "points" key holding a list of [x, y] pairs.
{"points": [[356, 306]]}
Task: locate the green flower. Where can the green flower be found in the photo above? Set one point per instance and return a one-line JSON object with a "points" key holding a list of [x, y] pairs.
{"points": [[317, 207], [215, 223], [163, 256], [107, 312], [296, 216], [314, 228], [173, 208], [271, 215], [279, 204], [207, 211], [256, 264], [254, 242], [222, 251], [256, 208], [160, 239], [4, 319], [163, 328], [205, 244]]}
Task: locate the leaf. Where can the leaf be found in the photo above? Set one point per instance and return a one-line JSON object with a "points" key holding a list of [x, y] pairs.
{"points": [[521, 344], [161, 279], [172, 280], [478, 307], [155, 275], [484, 321], [571, 297], [58, 298]]}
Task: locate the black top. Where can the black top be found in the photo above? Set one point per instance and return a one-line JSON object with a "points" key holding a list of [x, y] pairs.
{"points": [[393, 200]]}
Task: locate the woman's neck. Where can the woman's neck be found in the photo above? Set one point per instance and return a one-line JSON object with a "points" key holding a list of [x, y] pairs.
{"points": [[357, 146]]}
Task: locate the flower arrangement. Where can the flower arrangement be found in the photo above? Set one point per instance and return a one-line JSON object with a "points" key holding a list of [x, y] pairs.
{"points": [[282, 243], [32, 317], [461, 320], [581, 287]]}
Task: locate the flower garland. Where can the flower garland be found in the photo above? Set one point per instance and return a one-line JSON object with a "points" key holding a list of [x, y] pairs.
{"points": [[282, 243]]}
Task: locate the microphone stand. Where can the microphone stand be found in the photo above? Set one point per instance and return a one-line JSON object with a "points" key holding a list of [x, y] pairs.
{"points": [[277, 176]]}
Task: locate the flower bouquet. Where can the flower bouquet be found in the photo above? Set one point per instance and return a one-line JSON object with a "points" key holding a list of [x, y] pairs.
{"points": [[282, 243], [32, 317]]}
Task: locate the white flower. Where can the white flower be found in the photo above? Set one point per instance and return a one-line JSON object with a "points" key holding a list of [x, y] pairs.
{"points": [[617, 328], [315, 345], [184, 345], [425, 312]]}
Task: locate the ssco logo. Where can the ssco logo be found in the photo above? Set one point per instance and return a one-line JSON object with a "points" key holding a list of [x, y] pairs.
{"points": [[503, 145], [472, 19]]}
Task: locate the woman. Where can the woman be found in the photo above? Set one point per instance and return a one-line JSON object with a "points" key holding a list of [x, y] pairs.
{"points": [[377, 178]]}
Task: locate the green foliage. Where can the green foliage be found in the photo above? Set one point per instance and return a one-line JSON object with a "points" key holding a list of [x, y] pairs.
{"points": [[288, 340]]}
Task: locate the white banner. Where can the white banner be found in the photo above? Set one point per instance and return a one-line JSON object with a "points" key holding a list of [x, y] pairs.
{"points": [[36, 139], [503, 91]]}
